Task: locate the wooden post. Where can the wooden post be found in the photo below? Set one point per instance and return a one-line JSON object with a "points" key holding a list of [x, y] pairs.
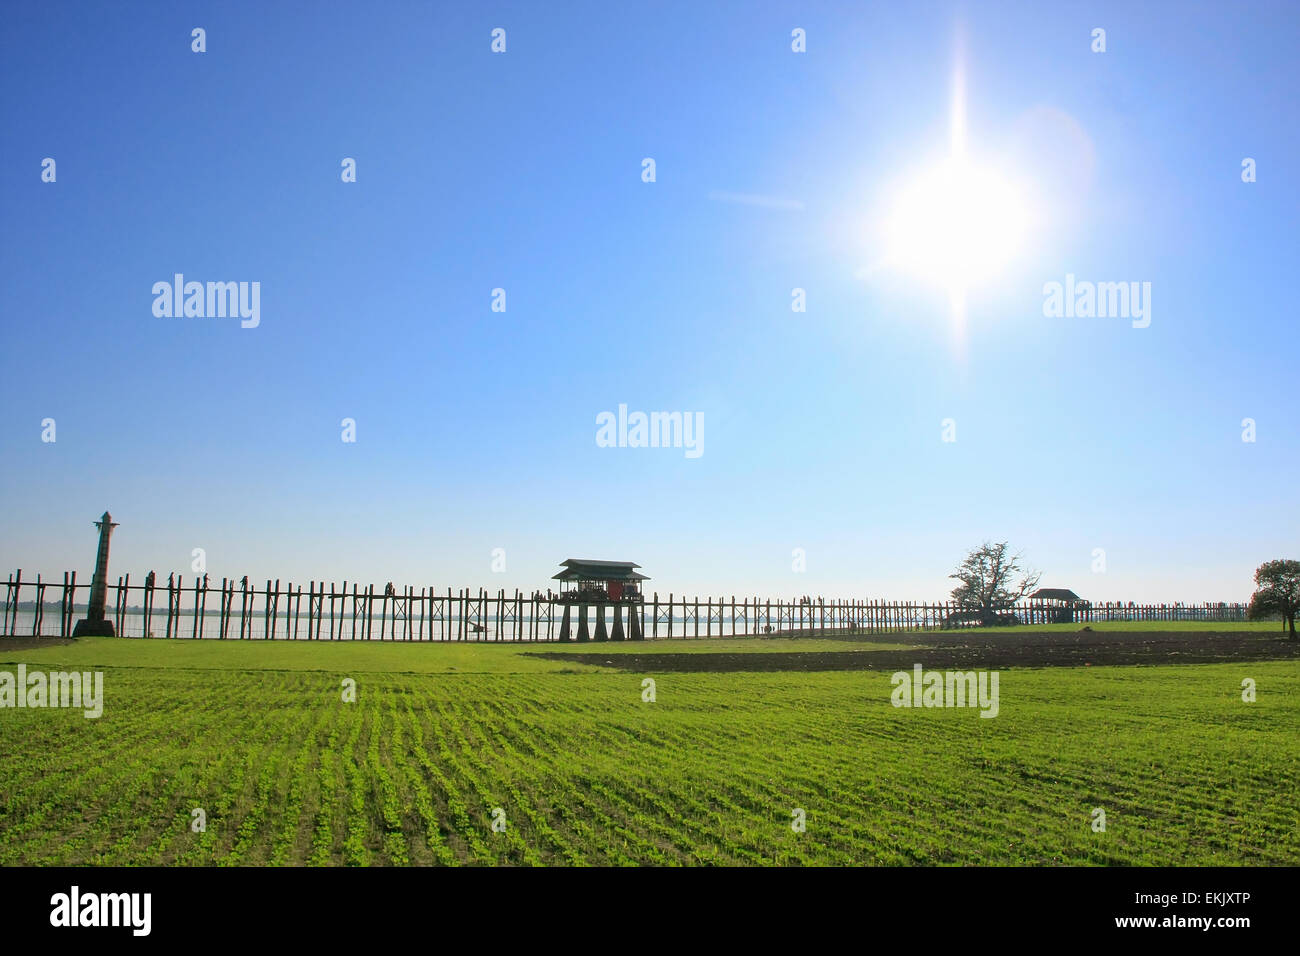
{"points": [[10, 599], [445, 625], [39, 614], [272, 609], [332, 597], [288, 608], [267, 617], [360, 601], [243, 605], [358, 612], [63, 608], [370, 614], [123, 589], [147, 604], [360, 598], [221, 613]]}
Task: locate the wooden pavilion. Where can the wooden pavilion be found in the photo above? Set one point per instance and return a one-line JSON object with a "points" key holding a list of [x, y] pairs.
{"points": [[1060, 602], [601, 584]]}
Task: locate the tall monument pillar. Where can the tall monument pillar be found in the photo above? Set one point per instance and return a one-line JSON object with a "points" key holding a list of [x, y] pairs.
{"points": [[95, 624]]}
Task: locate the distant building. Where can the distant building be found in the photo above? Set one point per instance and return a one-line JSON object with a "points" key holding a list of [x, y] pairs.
{"points": [[595, 582], [1062, 601]]}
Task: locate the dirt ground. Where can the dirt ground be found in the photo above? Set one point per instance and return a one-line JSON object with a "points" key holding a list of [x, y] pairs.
{"points": [[27, 643], [969, 651]]}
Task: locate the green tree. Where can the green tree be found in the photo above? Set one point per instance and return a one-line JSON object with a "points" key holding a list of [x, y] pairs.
{"points": [[987, 577], [1277, 591]]}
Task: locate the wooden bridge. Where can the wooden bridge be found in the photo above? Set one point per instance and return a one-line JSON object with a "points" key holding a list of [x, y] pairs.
{"points": [[236, 609]]}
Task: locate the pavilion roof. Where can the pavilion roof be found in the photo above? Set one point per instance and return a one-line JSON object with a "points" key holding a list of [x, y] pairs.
{"points": [[1056, 594], [581, 569]]}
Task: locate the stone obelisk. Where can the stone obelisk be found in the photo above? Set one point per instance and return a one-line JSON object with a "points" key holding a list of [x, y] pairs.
{"points": [[95, 624]]}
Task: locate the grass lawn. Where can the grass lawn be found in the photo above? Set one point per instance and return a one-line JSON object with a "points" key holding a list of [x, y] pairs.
{"points": [[584, 770]]}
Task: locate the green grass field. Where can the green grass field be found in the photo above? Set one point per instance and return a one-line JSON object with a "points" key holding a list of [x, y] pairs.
{"points": [[258, 736]]}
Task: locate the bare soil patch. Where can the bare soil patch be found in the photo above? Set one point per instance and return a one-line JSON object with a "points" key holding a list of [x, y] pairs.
{"points": [[27, 643], [971, 651]]}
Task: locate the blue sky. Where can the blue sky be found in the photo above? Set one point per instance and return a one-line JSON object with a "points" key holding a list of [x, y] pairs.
{"points": [[476, 429]]}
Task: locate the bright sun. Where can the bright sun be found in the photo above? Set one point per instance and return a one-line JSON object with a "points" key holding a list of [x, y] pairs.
{"points": [[955, 224]]}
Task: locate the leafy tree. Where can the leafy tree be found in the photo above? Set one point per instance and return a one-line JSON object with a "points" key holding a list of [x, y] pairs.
{"points": [[1277, 592], [987, 577]]}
